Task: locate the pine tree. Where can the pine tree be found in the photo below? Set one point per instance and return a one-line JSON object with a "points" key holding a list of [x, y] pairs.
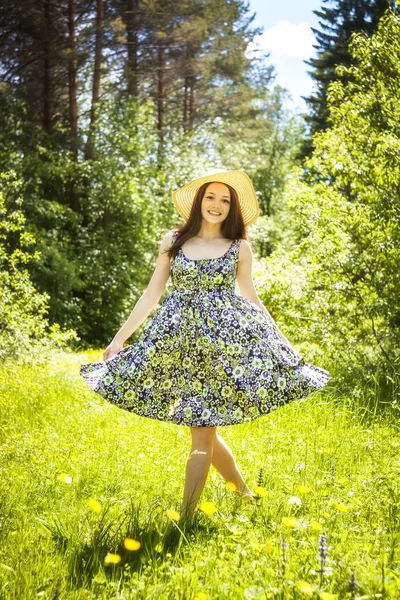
{"points": [[338, 19]]}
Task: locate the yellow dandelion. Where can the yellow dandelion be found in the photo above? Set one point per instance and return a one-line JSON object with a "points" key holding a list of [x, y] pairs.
{"points": [[173, 514], [111, 559], [65, 478], [201, 596], [305, 587], [316, 525], [131, 544], [327, 596], [303, 489], [94, 505], [268, 548], [159, 509], [14, 532], [208, 508], [290, 521], [261, 491], [341, 507], [231, 486]]}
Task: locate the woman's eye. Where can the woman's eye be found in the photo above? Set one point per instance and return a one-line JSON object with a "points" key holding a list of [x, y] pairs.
{"points": [[210, 198]]}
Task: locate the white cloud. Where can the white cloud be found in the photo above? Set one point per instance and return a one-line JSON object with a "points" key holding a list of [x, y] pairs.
{"points": [[292, 40], [289, 44]]}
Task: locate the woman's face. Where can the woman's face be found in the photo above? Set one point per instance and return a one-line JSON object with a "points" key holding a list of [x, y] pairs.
{"points": [[216, 200]]}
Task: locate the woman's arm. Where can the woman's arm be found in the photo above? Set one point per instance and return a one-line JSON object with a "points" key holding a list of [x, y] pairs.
{"points": [[147, 301]]}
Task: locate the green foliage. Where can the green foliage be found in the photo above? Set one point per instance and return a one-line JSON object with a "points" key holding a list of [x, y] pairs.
{"points": [[118, 229], [339, 21], [95, 222], [340, 285], [24, 328]]}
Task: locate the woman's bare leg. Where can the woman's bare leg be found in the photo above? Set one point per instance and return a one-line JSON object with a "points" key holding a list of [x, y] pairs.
{"points": [[197, 467], [224, 461]]}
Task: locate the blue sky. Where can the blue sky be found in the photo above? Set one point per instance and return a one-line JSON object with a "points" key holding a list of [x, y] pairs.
{"points": [[289, 39]]}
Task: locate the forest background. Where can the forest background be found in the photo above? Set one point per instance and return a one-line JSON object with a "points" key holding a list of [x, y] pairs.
{"points": [[108, 107]]}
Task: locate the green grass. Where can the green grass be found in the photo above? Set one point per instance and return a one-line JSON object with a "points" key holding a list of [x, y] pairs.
{"points": [[53, 424]]}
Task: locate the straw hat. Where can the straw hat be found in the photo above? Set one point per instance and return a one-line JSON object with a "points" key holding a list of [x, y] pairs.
{"points": [[184, 196]]}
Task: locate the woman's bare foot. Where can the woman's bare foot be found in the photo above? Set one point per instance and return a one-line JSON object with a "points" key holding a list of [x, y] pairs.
{"points": [[188, 517], [247, 496]]}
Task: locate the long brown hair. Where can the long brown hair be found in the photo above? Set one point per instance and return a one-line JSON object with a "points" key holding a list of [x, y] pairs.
{"points": [[232, 227]]}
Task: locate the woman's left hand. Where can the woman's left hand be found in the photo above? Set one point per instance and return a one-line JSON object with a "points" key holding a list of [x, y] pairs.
{"points": [[112, 349]]}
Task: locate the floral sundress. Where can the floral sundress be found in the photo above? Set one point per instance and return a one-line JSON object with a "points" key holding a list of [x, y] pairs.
{"points": [[207, 357]]}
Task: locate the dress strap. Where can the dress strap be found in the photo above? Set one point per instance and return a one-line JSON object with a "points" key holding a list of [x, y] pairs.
{"points": [[234, 250]]}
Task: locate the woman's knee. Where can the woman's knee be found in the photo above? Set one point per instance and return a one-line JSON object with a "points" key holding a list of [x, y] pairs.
{"points": [[203, 436]]}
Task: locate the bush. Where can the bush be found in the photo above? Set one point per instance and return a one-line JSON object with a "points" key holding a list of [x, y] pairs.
{"points": [[24, 329]]}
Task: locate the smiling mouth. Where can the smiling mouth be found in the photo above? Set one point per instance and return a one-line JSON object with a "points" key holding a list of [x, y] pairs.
{"points": [[214, 213]]}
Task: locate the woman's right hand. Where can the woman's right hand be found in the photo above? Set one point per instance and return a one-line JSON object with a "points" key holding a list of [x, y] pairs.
{"points": [[112, 349]]}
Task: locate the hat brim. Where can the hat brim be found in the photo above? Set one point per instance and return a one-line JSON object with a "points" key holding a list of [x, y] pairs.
{"points": [[184, 196]]}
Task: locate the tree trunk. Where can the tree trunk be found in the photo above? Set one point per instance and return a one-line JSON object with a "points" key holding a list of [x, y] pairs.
{"points": [[72, 92], [47, 75], [133, 44], [191, 103], [160, 99], [185, 104], [89, 150], [72, 76]]}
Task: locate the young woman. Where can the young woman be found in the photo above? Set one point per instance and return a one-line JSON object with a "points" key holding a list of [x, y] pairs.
{"points": [[208, 357]]}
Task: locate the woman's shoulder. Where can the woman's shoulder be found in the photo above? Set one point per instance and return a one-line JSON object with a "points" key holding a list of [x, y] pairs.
{"points": [[244, 242], [173, 234], [169, 235], [167, 239], [245, 248]]}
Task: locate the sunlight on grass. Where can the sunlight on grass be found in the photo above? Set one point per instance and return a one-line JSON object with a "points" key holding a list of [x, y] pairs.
{"points": [[87, 491]]}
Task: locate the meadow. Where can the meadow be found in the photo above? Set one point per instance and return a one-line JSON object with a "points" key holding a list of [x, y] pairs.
{"points": [[90, 496]]}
